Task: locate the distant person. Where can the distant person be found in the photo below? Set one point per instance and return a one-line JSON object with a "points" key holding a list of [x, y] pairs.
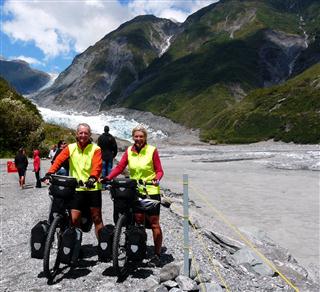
{"points": [[21, 162], [52, 151], [109, 149], [144, 163], [36, 167], [85, 164], [64, 169]]}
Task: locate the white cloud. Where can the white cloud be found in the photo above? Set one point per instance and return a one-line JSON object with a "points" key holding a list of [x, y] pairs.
{"points": [[29, 60], [57, 27]]}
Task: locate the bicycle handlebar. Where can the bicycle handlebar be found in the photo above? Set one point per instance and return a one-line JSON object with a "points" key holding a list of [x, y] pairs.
{"points": [[112, 181], [49, 178]]}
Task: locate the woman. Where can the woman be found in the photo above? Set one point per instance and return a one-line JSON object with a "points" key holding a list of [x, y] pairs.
{"points": [[36, 167], [21, 162], [144, 163]]}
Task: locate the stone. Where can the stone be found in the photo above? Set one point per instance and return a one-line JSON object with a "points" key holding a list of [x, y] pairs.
{"points": [[186, 284], [169, 272]]}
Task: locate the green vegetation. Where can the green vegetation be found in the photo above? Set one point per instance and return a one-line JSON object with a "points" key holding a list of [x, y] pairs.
{"points": [[217, 60], [22, 125], [287, 112]]}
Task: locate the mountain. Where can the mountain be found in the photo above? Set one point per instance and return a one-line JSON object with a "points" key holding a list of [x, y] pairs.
{"points": [[196, 71], [22, 77], [224, 51], [112, 64], [286, 112]]}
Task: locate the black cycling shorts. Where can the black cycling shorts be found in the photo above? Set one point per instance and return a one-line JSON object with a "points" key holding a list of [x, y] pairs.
{"points": [[156, 210], [84, 199]]}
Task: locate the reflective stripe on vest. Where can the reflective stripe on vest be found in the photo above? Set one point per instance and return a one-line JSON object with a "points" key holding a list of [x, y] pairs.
{"points": [[80, 163], [141, 167]]}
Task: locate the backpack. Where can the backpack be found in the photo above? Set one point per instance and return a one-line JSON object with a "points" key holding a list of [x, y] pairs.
{"points": [[105, 243], [38, 239], [70, 245], [136, 243]]}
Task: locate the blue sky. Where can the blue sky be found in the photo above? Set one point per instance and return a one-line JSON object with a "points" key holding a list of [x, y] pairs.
{"points": [[49, 33]]}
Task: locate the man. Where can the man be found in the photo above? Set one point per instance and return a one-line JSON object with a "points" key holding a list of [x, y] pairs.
{"points": [[109, 149], [64, 170], [84, 164]]}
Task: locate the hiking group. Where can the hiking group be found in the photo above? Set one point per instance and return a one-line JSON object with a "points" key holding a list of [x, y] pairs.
{"points": [[89, 162]]}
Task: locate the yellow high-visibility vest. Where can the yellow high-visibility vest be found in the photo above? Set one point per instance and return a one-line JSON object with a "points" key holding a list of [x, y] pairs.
{"points": [[80, 163], [141, 167]]}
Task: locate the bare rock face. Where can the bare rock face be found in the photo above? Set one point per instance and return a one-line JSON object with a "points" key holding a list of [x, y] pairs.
{"points": [[114, 60], [22, 77], [278, 55]]}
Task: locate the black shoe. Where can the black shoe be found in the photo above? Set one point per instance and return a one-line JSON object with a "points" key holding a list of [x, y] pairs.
{"points": [[154, 261]]}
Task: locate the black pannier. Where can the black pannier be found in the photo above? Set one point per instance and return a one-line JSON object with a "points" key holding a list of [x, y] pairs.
{"points": [[38, 238], [105, 243], [70, 245], [61, 191], [136, 243], [64, 181], [124, 189]]}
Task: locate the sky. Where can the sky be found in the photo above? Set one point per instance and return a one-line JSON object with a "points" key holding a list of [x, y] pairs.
{"points": [[48, 34]]}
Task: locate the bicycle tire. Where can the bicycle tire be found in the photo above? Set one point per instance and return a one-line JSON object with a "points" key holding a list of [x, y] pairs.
{"points": [[119, 253], [51, 260]]}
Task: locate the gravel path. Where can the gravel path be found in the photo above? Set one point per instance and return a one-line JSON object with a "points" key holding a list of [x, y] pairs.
{"points": [[22, 209]]}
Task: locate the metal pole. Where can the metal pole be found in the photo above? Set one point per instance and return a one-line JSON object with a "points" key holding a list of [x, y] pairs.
{"points": [[186, 224]]}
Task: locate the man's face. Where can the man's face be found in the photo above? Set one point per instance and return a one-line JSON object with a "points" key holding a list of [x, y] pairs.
{"points": [[83, 135]]}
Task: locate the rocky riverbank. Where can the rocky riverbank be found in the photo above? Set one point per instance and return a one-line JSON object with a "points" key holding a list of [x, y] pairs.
{"points": [[219, 262]]}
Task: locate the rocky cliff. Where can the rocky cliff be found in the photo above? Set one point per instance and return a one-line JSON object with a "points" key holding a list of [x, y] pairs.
{"points": [[110, 65], [22, 77]]}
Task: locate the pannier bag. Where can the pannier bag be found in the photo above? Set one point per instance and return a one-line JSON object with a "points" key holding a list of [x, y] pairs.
{"points": [[105, 243], [64, 181], [70, 245], [38, 239], [86, 220], [61, 191], [124, 189], [136, 243]]}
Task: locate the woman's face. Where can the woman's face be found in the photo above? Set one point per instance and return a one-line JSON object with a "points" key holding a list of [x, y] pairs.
{"points": [[139, 138]]}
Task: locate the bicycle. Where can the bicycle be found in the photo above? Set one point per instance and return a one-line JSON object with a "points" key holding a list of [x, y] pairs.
{"points": [[61, 191], [127, 199]]}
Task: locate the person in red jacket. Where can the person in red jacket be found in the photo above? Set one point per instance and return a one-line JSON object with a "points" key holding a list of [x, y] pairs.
{"points": [[144, 163], [36, 167]]}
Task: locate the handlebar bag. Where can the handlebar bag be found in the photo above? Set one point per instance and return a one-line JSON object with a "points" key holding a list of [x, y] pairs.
{"points": [[64, 181], [38, 238], [61, 191], [124, 189]]}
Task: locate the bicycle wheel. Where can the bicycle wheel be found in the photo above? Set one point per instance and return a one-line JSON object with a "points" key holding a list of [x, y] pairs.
{"points": [[51, 259], [119, 252]]}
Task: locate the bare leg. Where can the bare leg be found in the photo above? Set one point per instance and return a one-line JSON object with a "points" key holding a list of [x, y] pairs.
{"points": [[97, 219], [157, 233], [75, 217]]}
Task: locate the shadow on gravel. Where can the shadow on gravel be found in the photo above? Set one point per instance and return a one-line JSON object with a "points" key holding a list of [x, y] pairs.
{"points": [[88, 251]]}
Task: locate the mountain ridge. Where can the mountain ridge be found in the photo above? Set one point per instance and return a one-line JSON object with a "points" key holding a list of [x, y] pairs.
{"points": [[214, 59]]}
